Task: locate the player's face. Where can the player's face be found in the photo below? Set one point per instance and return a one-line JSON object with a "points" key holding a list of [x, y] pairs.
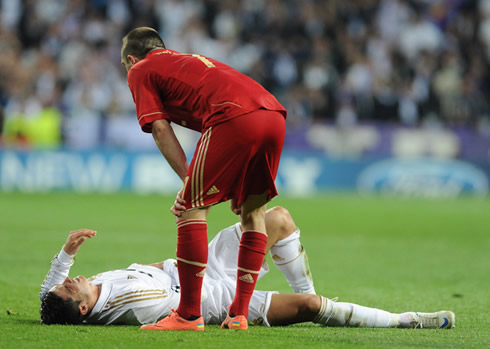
{"points": [[77, 288]]}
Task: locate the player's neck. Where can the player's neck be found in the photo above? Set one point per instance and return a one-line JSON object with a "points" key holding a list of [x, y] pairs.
{"points": [[156, 49], [96, 289]]}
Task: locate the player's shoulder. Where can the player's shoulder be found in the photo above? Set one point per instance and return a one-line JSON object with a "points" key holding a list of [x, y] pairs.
{"points": [[140, 68]]}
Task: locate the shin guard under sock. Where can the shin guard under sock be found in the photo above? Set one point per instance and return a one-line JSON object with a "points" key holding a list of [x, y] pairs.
{"points": [[250, 258], [192, 256]]}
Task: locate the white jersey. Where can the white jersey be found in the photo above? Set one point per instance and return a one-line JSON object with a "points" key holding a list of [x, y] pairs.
{"points": [[143, 294], [136, 295]]}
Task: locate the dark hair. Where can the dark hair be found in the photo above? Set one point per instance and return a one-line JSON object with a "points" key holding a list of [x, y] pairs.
{"points": [[139, 41], [56, 310]]}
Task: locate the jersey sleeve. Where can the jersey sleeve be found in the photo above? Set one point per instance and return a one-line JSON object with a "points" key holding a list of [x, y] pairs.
{"points": [[146, 96], [60, 267]]}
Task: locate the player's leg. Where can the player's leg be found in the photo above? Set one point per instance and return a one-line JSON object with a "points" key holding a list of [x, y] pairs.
{"points": [[192, 248], [287, 251], [251, 254], [192, 256], [192, 241], [261, 137], [288, 309]]}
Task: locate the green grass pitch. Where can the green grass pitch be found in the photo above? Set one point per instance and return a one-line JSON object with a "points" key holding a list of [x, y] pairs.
{"points": [[394, 254]]}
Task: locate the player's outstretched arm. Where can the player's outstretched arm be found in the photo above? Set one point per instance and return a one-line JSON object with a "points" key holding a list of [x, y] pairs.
{"points": [[76, 239], [62, 262], [169, 146]]}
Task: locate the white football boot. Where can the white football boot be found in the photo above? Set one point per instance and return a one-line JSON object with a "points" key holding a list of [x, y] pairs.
{"points": [[440, 319]]}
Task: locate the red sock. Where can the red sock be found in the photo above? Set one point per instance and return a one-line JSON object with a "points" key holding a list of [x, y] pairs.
{"points": [[192, 256], [250, 257]]}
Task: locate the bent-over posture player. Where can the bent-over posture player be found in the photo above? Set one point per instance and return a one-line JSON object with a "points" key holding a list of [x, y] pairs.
{"points": [[143, 294], [237, 157]]}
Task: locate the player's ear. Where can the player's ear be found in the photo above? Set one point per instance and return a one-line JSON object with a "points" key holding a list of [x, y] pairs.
{"points": [[133, 59], [83, 308]]}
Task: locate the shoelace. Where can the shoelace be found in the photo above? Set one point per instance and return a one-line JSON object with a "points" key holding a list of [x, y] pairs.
{"points": [[173, 313], [428, 320]]}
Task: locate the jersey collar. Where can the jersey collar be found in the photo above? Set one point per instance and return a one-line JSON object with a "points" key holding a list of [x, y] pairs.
{"points": [[159, 52], [105, 292]]}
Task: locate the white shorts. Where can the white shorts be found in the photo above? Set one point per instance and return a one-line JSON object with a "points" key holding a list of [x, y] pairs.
{"points": [[220, 280]]}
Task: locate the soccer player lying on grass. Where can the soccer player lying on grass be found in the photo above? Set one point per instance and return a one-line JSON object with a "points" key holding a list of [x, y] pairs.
{"points": [[143, 294]]}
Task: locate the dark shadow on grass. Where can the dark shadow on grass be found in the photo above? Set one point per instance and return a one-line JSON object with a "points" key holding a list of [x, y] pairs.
{"points": [[21, 321], [25, 321]]}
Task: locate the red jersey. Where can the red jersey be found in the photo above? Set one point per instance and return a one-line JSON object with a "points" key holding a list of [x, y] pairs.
{"points": [[193, 91]]}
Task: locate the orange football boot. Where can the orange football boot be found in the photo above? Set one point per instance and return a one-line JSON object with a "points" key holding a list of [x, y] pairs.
{"points": [[238, 322], [175, 322]]}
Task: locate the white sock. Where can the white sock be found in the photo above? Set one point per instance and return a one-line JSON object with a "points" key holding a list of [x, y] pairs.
{"points": [[352, 315], [407, 320], [290, 258]]}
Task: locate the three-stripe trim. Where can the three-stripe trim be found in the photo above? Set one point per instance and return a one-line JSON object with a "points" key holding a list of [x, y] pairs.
{"points": [[197, 180], [135, 296]]}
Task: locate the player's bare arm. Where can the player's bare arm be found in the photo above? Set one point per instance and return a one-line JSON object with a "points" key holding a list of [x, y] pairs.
{"points": [[169, 146], [78, 237]]}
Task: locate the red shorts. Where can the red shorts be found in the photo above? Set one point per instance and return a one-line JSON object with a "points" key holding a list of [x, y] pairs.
{"points": [[235, 159]]}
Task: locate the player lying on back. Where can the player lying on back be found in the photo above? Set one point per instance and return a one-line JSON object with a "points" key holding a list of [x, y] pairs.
{"points": [[143, 294]]}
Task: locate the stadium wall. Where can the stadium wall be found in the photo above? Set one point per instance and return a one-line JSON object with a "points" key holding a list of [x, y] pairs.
{"points": [[300, 173]]}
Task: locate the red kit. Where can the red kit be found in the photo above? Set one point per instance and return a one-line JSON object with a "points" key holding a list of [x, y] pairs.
{"points": [[242, 124]]}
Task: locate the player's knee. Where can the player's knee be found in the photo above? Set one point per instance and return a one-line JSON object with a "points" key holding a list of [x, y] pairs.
{"points": [[200, 214], [280, 222], [253, 218], [310, 304]]}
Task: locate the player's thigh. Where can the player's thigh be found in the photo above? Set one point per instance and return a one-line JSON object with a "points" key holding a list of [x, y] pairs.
{"points": [[226, 158], [252, 214], [259, 307], [257, 186]]}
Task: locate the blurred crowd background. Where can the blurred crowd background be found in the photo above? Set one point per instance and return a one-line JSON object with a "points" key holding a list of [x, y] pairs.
{"points": [[342, 64]]}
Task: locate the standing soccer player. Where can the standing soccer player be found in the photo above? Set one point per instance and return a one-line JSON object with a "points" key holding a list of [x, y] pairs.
{"points": [[242, 133]]}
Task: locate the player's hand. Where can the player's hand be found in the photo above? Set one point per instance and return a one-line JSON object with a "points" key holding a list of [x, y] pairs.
{"points": [[76, 239], [179, 205], [236, 210]]}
